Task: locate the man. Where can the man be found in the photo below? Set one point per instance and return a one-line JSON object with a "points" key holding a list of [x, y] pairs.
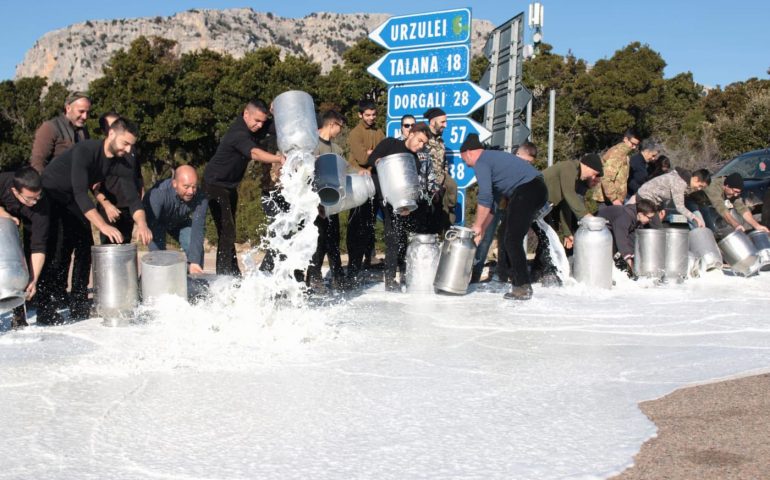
{"points": [[563, 180], [407, 122], [396, 225], [224, 173], [639, 165], [53, 138], [360, 229], [502, 175], [331, 124], [444, 202], [21, 200], [113, 198], [527, 151], [66, 182], [57, 135], [614, 186], [672, 187], [724, 194], [622, 221], [175, 206]]}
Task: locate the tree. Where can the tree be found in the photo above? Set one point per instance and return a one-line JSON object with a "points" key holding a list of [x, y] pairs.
{"points": [[140, 84], [23, 107]]}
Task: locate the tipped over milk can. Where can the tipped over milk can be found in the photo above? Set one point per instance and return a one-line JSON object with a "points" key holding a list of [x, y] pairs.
{"points": [[358, 189], [296, 128], [164, 272], [422, 256], [677, 254], [739, 251], [761, 240], [592, 262], [703, 247], [650, 253], [14, 275], [456, 261], [330, 179], [116, 290], [399, 182]]}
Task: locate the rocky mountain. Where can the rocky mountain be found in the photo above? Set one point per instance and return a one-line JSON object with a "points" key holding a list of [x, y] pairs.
{"points": [[76, 54]]}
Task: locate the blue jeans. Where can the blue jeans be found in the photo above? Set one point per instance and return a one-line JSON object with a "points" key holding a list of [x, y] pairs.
{"points": [[483, 249], [181, 233]]}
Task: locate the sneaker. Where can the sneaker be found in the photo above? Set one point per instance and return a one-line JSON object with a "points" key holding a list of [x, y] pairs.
{"points": [[550, 280], [523, 292]]}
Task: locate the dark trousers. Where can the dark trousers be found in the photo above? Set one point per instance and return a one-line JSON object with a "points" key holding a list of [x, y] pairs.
{"points": [[360, 236], [124, 224], [524, 203], [328, 245], [223, 204], [68, 232], [396, 233]]}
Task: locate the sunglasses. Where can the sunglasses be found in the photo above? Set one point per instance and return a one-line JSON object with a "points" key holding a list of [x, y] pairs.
{"points": [[407, 125]]}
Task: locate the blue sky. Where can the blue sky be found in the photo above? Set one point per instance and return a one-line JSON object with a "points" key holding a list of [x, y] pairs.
{"points": [[719, 42]]}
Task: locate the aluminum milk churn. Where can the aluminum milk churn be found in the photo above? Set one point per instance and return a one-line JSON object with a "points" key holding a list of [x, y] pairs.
{"points": [[399, 182], [593, 253], [650, 253], [422, 257], [358, 189], [677, 257], [761, 240], [14, 275], [164, 272], [456, 262], [296, 128], [330, 179], [739, 251], [116, 289], [703, 246]]}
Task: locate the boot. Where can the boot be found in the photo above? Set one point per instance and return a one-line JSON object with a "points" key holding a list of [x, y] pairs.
{"points": [[522, 292], [550, 280]]}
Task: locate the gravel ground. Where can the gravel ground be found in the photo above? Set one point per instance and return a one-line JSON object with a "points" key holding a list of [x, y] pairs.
{"points": [[714, 431]]}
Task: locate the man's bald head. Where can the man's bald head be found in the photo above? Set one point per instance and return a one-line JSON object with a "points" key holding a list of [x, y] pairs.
{"points": [[185, 182]]}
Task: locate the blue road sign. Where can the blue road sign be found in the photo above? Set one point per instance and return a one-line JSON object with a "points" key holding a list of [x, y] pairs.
{"points": [[424, 29], [438, 64], [457, 129], [455, 98], [460, 171]]}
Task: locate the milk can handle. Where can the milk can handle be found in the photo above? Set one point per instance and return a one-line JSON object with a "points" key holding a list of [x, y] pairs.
{"points": [[450, 234]]}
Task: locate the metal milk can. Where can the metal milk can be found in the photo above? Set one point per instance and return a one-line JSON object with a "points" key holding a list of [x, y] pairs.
{"points": [[422, 256], [14, 275], [650, 253], [677, 258], [456, 262], [164, 272], [593, 253], [116, 289]]}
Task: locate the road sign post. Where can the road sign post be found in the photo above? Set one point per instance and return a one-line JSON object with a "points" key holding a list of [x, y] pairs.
{"points": [[428, 66]]}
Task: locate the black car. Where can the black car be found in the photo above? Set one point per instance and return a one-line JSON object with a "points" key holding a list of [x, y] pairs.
{"points": [[754, 167]]}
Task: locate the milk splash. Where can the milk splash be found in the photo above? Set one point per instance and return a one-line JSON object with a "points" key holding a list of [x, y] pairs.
{"points": [[294, 234], [556, 250]]}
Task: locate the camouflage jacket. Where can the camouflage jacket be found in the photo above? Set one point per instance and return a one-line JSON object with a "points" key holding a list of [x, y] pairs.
{"points": [[437, 151], [615, 179]]}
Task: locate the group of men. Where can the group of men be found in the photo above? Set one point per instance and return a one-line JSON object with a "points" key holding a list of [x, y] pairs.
{"points": [[628, 194], [75, 183], [52, 198]]}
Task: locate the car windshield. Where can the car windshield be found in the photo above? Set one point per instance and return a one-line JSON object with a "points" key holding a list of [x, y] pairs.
{"points": [[748, 166]]}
